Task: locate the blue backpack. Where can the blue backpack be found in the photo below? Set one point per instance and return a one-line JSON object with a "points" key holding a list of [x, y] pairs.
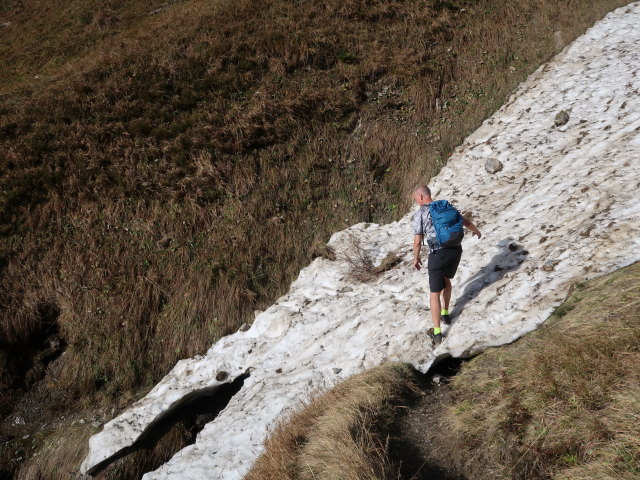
{"points": [[447, 223]]}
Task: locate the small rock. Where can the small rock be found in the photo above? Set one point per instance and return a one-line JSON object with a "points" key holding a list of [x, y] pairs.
{"points": [[336, 370], [164, 242], [96, 424], [278, 370], [558, 41], [561, 118], [244, 327], [437, 379], [55, 342], [81, 421], [513, 246], [203, 419], [493, 165], [550, 265], [25, 437], [221, 376], [18, 421]]}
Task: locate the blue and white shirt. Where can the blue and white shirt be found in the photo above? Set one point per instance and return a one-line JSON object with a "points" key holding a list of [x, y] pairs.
{"points": [[423, 225]]}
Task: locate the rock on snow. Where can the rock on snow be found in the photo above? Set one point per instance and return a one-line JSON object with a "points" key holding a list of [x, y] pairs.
{"points": [[566, 196]]}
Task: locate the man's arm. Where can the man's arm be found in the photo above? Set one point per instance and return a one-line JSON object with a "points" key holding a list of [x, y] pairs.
{"points": [[417, 243], [469, 224]]}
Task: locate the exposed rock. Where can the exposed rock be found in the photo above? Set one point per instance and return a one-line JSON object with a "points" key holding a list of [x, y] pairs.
{"points": [[550, 265], [164, 242], [558, 41], [562, 117], [203, 419], [493, 165], [158, 10]]}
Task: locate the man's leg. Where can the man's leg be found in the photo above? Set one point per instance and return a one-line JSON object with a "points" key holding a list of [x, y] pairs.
{"points": [[434, 306], [436, 286], [446, 294]]}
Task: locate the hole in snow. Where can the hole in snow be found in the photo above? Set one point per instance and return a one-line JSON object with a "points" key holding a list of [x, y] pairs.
{"points": [[170, 432]]}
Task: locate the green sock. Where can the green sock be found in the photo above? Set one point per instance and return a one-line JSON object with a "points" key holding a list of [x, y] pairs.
{"points": [[444, 312], [436, 331]]}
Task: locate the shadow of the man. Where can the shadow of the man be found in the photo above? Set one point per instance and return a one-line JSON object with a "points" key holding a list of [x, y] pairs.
{"points": [[509, 258]]}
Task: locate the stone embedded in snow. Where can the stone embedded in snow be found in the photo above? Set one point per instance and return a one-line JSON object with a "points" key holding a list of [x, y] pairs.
{"points": [[555, 185], [561, 118], [493, 165], [550, 265]]}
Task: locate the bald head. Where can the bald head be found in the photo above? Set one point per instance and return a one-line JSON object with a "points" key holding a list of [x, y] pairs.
{"points": [[422, 195]]}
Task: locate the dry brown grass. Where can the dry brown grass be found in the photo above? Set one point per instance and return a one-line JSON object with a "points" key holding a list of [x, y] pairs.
{"points": [[165, 175], [342, 434], [560, 403], [362, 267], [59, 454]]}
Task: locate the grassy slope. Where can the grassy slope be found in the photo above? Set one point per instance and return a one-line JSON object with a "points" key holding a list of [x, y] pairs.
{"points": [[341, 434], [561, 402], [165, 175]]}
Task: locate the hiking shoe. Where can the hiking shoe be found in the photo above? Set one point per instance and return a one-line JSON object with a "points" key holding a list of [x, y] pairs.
{"points": [[435, 338], [446, 319]]}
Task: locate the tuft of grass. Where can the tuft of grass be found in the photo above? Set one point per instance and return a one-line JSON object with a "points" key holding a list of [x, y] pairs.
{"points": [[344, 433], [561, 402], [58, 454], [362, 267]]}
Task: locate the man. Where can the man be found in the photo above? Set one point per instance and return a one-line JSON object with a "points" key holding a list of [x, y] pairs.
{"points": [[443, 261]]}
